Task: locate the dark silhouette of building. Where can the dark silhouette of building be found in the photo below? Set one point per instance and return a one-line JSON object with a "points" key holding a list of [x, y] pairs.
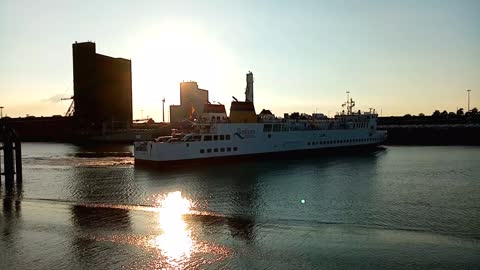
{"points": [[102, 87]]}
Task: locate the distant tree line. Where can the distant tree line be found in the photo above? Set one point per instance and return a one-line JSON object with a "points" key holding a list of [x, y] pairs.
{"points": [[438, 114], [437, 117]]}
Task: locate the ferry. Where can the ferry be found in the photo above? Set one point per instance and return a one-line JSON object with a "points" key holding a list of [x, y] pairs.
{"points": [[213, 135]]}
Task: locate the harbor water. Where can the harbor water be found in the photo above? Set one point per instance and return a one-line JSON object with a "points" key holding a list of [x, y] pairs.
{"points": [[390, 208]]}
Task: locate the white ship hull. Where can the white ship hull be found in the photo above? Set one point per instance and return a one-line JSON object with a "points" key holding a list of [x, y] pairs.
{"points": [[252, 139]]}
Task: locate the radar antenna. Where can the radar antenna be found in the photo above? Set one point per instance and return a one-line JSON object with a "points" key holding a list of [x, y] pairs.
{"points": [[349, 104]]}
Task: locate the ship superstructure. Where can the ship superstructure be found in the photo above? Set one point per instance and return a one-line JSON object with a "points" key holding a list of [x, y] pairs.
{"points": [[244, 133]]}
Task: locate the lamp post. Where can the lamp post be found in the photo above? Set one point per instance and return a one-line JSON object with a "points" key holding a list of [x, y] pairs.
{"points": [[468, 98], [163, 110], [1, 111]]}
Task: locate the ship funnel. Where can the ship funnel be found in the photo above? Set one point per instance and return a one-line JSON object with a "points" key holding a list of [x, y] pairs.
{"points": [[249, 88]]}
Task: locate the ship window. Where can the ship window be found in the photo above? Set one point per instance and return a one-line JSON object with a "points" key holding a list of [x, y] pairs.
{"points": [[227, 137], [308, 143], [215, 150], [215, 137], [209, 150], [267, 128], [222, 149], [229, 149], [188, 145], [207, 138], [235, 148], [222, 137], [202, 151], [197, 138], [269, 136], [277, 128]]}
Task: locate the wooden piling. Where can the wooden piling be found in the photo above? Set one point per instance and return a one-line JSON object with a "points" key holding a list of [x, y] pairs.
{"points": [[12, 156], [9, 170], [1, 151], [18, 160]]}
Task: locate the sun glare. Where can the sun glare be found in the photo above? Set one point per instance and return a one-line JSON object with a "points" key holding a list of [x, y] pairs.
{"points": [[168, 55], [175, 241]]}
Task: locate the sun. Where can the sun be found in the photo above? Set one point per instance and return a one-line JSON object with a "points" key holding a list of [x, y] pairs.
{"points": [[169, 54]]}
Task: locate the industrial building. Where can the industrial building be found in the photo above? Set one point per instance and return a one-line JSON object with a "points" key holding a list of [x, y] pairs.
{"points": [[102, 87], [192, 101], [194, 104]]}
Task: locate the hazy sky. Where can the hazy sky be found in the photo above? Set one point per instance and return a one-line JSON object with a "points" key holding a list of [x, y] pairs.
{"points": [[397, 56]]}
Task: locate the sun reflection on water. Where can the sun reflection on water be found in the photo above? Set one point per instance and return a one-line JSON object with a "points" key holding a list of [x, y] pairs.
{"points": [[175, 241]]}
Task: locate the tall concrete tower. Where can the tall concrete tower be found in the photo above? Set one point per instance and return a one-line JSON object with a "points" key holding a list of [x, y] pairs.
{"points": [[249, 89]]}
